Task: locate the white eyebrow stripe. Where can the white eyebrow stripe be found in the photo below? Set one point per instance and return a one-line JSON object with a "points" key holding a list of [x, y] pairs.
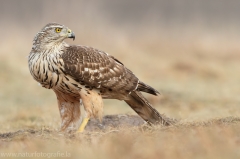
{"points": [[57, 26], [53, 26]]}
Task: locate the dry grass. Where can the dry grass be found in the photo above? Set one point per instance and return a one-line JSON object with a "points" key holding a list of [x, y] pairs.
{"points": [[195, 69], [199, 85], [217, 138], [199, 88]]}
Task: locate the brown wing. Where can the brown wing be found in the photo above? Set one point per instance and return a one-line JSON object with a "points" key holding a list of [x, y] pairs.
{"points": [[97, 69]]}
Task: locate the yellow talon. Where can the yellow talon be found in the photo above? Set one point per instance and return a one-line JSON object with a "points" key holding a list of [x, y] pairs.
{"points": [[83, 124]]}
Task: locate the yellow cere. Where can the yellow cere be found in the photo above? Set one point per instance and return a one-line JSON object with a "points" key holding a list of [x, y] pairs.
{"points": [[58, 30]]}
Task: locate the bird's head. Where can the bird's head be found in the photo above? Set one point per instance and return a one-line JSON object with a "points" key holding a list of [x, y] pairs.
{"points": [[53, 33]]}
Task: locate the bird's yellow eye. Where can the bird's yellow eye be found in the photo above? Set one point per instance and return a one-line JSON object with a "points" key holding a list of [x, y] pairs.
{"points": [[58, 30]]}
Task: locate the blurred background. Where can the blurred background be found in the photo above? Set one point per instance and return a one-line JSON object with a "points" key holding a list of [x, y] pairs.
{"points": [[188, 50]]}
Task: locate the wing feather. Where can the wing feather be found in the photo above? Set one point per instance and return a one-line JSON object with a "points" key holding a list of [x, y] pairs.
{"points": [[98, 69]]}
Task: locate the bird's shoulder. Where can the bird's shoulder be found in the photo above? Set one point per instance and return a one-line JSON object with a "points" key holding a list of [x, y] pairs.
{"points": [[78, 54], [97, 68]]}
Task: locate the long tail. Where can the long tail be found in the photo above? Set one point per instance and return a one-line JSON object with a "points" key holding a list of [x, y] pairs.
{"points": [[144, 109]]}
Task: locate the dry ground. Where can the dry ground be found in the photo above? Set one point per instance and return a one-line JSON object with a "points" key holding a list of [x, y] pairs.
{"points": [[195, 69], [199, 87], [217, 138]]}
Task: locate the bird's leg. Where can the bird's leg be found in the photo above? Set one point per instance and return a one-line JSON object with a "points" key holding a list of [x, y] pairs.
{"points": [[69, 112], [70, 115], [85, 101], [93, 106], [85, 118], [83, 124]]}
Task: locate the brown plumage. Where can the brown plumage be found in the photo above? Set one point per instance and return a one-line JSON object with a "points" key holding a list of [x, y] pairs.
{"points": [[81, 75]]}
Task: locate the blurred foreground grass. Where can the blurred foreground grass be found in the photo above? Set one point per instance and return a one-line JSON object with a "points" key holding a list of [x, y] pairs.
{"points": [[218, 138]]}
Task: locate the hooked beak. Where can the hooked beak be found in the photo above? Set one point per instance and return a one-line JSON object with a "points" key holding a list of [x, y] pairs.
{"points": [[71, 34]]}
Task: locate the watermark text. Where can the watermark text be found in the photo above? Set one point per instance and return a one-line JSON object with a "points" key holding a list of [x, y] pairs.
{"points": [[35, 154]]}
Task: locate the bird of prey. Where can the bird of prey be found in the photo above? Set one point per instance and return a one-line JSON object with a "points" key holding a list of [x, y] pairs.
{"points": [[82, 75]]}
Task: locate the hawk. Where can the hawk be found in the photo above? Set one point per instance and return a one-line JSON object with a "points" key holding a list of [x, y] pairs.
{"points": [[82, 75]]}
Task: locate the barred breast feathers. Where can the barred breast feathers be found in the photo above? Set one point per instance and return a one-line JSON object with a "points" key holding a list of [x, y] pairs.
{"points": [[45, 65], [80, 73]]}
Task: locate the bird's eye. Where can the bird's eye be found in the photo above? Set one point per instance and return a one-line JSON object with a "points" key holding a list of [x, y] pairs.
{"points": [[58, 30]]}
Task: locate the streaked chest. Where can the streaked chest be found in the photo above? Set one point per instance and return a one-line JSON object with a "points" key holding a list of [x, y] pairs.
{"points": [[45, 68]]}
